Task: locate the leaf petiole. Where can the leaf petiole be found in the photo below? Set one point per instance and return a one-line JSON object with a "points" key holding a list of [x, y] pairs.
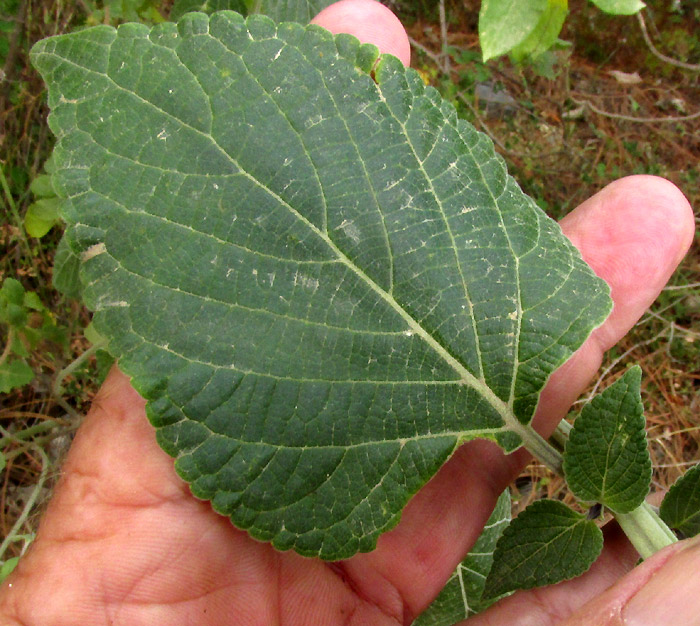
{"points": [[646, 530]]}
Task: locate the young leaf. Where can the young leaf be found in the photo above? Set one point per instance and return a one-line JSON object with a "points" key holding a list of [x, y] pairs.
{"points": [[461, 596], [543, 545], [606, 457], [14, 373], [504, 25], [42, 216], [66, 267], [41, 187], [680, 508], [619, 7], [322, 284]]}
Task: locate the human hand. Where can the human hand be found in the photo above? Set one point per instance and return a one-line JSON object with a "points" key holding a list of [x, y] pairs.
{"points": [[123, 542]]}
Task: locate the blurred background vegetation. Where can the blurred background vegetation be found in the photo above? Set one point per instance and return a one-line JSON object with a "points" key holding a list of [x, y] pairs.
{"points": [[618, 96]]}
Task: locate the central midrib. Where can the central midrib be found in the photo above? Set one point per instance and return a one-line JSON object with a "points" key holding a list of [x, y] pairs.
{"points": [[466, 377]]}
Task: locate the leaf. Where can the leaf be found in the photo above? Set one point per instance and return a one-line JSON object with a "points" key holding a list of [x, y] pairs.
{"points": [[606, 457], [302, 11], [66, 267], [11, 292], [41, 186], [680, 508], [42, 216], [543, 545], [8, 567], [14, 373], [545, 34], [461, 596], [322, 284], [506, 24], [619, 7], [180, 7]]}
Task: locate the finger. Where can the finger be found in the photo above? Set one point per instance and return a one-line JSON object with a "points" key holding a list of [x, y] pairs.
{"points": [[370, 22], [649, 223], [662, 591]]}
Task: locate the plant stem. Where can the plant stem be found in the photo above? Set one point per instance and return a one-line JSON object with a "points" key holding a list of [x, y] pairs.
{"points": [[18, 223], [29, 505], [561, 434], [28, 432], [542, 450], [57, 387], [646, 530]]}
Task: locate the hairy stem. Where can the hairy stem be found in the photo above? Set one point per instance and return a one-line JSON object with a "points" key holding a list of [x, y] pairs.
{"points": [[646, 530], [542, 450]]}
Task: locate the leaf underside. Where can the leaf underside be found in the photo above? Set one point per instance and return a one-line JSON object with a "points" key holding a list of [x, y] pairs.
{"points": [[680, 508], [461, 598], [543, 545], [322, 284], [606, 457]]}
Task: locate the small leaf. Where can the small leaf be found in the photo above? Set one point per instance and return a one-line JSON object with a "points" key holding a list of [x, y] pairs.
{"points": [[66, 270], [42, 216], [11, 292], [41, 186], [606, 457], [3, 461], [680, 508], [8, 567], [619, 7], [545, 544], [14, 373], [506, 24], [461, 596], [32, 301]]}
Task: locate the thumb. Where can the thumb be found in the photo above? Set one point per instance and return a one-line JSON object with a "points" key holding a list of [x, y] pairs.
{"points": [[662, 591]]}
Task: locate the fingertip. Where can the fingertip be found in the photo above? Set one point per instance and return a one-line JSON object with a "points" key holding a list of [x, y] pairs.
{"points": [[633, 233], [370, 22]]}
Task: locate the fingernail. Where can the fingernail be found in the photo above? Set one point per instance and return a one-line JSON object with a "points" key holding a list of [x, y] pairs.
{"points": [[672, 594]]}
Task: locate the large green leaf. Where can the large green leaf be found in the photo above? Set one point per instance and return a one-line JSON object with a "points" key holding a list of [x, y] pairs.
{"points": [[461, 596], [322, 284], [545, 544], [680, 508], [606, 458]]}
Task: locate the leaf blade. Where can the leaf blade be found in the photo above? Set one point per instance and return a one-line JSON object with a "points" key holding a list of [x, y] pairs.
{"points": [[239, 179], [543, 545], [680, 508], [619, 7], [606, 458], [462, 595]]}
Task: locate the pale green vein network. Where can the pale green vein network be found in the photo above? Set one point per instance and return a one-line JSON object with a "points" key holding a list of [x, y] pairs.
{"points": [[429, 378], [463, 373]]}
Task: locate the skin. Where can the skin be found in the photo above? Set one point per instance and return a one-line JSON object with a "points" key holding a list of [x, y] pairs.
{"points": [[123, 542]]}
